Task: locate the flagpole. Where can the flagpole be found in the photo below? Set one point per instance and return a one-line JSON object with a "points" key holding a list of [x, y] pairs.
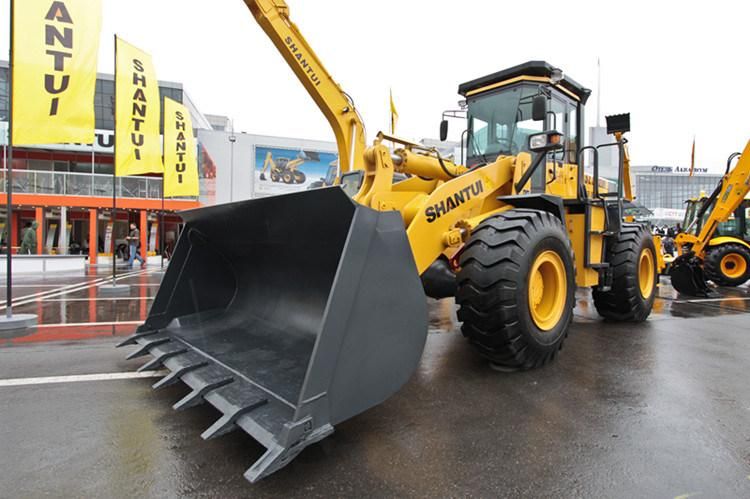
{"points": [[19, 321], [114, 287], [161, 222], [9, 180], [114, 182]]}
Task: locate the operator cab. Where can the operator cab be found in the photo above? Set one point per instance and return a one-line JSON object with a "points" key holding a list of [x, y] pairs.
{"points": [[501, 113], [737, 225]]}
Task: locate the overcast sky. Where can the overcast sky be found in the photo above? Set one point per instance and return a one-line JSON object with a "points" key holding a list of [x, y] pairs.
{"points": [[678, 67]]}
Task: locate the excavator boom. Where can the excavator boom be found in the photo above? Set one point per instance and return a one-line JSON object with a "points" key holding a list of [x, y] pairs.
{"points": [[336, 105]]}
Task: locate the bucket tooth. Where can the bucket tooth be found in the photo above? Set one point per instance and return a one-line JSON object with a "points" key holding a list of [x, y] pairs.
{"points": [[234, 401], [196, 396], [132, 340], [158, 361], [146, 347], [277, 456], [174, 376]]}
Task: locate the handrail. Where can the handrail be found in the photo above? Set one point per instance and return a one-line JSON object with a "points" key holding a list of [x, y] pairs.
{"points": [[83, 184]]}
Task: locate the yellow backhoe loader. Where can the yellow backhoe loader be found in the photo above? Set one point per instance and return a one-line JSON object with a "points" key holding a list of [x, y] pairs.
{"points": [[287, 170], [714, 242], [291, 314]]}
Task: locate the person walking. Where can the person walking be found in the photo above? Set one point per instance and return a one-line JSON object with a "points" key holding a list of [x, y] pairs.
{"points": [[28, 243], [134, 241]]}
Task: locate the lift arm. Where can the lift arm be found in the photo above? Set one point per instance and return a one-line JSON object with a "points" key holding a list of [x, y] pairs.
{"points": [[336, 105], [727, 197]]}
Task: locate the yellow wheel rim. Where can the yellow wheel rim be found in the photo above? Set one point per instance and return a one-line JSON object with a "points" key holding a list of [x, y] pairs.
{"points": [[733, 265], [548, 289], [646, 273]]}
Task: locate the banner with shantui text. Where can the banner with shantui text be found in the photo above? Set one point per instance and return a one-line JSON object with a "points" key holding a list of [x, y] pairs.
{"points": [[55, 50], [180, 152], [137, 113]]}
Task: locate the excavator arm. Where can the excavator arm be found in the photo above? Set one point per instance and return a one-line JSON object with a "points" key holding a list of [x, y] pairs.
{"points": [[336, 105], [268, 163]]}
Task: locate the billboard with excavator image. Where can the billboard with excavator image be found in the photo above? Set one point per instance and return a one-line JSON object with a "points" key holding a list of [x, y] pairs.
{"points": [[281, 170]]}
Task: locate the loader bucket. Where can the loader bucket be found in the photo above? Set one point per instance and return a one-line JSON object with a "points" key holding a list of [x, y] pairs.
{"points": [[688, 278], [289, 315]]}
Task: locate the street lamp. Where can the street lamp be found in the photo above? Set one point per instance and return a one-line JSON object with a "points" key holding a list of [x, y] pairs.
{"points": [[232, 140]]}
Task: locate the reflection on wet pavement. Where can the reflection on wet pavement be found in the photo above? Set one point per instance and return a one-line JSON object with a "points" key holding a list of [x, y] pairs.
{"points": [[70, 306]]}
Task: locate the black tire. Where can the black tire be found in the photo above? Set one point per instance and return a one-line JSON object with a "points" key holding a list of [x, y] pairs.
{"points": [[299, 177], [493, 288], [287, 177], [714, 269], [275, 177], [625, 301]]}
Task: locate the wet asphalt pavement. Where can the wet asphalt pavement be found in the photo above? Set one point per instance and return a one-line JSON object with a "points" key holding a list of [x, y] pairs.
{"points": [[660, 409]]}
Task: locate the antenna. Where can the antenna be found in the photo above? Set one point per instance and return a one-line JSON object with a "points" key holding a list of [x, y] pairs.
{"points": [[598, 92]]}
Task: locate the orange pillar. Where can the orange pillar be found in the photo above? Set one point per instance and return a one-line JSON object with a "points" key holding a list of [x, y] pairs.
{"points": [[144, 234], [93, 236], [39, 217], [16, 230]]}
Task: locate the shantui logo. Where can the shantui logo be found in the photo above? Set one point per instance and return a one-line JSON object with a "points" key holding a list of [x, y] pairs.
{"points": [[181, 145], [454, 201], [302, 61], [140, 107], [58, 38]]}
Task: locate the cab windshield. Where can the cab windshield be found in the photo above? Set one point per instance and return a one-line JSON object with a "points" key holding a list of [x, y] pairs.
{"points": [[500, 123], [735, 226]]}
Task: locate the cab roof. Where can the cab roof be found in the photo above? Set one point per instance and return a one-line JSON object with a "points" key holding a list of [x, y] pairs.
{"points": [[531, 68]]}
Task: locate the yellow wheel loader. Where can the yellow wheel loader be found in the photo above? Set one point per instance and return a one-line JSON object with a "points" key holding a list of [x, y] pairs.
{"points": [[286, 352], [714, 243]]}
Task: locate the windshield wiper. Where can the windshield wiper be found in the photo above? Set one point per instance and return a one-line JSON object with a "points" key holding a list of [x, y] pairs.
{"points": [[476, 149]]}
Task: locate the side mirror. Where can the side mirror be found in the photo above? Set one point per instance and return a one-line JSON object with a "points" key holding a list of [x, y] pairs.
{"points": [[351, 182], [443, 130], [550, 140], [539, 108]]}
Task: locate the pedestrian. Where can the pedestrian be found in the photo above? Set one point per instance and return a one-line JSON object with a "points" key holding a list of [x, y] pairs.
{"points": [[134, 241], [28, 243]]}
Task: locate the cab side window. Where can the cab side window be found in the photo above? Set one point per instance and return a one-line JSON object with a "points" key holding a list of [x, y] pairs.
{"points": [[571, 135], [565, 121]]}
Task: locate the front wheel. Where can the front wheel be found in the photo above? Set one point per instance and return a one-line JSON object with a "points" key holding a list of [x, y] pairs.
{"points": [[516, 288], [632, 258], [299, 177], [728, 264]]}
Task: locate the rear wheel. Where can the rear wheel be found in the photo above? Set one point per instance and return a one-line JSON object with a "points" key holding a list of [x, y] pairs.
{"points": [[275, 177], [632, 257], [287, 177], [516, 288], [728, 264]]}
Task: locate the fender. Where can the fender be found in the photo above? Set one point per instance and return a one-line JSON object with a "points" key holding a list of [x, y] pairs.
{"points": [[718, 241]]}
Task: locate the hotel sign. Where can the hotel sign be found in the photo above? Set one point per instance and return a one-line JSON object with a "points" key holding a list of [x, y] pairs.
{"points": [[677, 169]]}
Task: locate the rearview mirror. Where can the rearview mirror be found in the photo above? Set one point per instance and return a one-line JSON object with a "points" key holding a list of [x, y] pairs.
{"points": [[539, 108], [443, 130]]}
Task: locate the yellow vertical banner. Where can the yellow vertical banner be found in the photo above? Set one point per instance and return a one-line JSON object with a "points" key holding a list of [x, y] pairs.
{"points": [[180, 153], [137, 112], [54, 59]]}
